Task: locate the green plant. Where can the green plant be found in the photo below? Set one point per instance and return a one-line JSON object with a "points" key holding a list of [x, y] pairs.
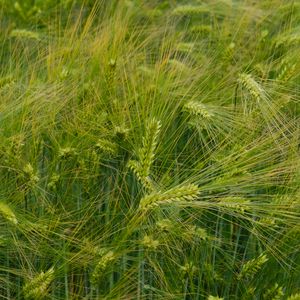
{"points": [[149, 150]]}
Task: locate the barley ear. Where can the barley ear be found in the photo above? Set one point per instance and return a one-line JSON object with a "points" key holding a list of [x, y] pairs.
{"points": [[7, 213], [146, 153], [294, 297], [252, 86], [214, 298], [189, 10], [197, 109], [136, 168], [107, 257], [37, 287], [149, 143], [184, 193], [24, 34], [274, 293], [251, 267]]}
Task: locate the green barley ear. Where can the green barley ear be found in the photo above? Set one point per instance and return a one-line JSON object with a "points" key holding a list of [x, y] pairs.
{"points": [[30, 175], [251, 267], [188, 269], [107, 257], [54, 179], [149, 242], [286, 71], [107, 146], [201, 29], [214, 298], [121, 132], [294, 297], [192, 232], [185, 47], [149, 143], [289, 39], [184, 193], [24, 34], [274, 293], [189, 10], [165, 225], [141, 168], [65, 153], [136, 168], [201, 234], [252, 86], [235, 203], [197, 109], [7, 213], [37, 287]]}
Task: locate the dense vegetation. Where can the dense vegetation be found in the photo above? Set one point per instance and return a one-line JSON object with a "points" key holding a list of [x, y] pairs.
{"points": [[150, 149]]}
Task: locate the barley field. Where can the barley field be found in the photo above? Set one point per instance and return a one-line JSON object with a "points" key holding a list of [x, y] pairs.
{"points": [[150, 149]]}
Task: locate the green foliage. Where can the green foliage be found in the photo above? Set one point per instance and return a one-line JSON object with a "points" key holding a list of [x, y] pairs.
{"points": [[149, 149]]}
